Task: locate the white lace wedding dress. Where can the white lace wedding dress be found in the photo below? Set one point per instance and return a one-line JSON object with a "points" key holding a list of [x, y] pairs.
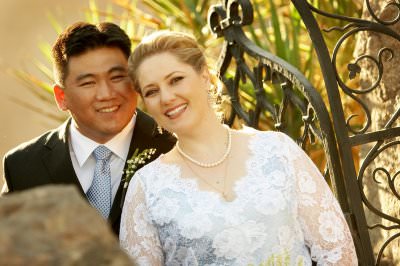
{"points": [[284, 214]]}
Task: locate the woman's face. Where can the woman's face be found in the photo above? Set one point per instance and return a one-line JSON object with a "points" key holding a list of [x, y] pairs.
{"points": [[174, 94]]}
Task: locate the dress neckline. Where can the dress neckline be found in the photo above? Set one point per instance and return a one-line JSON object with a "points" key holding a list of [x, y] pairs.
{"points": [[192, 179]]}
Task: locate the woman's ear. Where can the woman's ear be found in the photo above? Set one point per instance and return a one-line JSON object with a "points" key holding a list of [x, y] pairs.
{"points": [[205, 74], [59, 96]]}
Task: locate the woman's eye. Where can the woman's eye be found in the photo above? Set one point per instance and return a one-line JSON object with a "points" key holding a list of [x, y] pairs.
{"points": [[118, 78], [150, 92], [176, 79]]}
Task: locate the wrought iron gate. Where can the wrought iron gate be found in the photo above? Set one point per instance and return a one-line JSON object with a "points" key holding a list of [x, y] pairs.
{"points": [[243, 62]]}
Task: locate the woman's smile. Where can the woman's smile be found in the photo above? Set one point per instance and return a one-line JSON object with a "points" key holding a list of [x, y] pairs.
{"points": [[175, 95], [175, 112]]}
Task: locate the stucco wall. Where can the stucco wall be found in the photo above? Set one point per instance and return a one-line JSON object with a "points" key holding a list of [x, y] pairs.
{"points": [[23, 24]]}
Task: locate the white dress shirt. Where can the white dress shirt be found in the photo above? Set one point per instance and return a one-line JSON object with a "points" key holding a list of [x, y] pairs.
{"points": [[81, 152]]}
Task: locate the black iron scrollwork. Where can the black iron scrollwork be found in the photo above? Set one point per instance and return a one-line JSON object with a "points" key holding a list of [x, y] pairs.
{"points": [[353, 69], [243, 64], [384, 138], [389, 5]]}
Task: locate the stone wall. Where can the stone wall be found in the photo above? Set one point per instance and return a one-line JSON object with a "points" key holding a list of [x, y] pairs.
{"points": [[382, 103], [54, 225]]}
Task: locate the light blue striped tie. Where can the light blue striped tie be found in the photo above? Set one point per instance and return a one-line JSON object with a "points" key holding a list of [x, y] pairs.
{"points": [[99, 193]]}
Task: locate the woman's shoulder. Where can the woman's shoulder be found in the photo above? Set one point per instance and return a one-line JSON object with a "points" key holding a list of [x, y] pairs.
{"points": [[152, 167], [268, 140], [256, 133], [156, 169], [149, 167]]}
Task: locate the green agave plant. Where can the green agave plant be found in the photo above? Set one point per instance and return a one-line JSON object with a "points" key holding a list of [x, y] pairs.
{"points": [[277, 28]]}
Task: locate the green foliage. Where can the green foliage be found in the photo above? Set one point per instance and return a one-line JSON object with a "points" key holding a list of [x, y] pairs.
{"points": [[277, 28]]}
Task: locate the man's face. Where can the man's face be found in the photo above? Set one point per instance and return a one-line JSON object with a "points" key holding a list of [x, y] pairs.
{"points": [[98, 93]]}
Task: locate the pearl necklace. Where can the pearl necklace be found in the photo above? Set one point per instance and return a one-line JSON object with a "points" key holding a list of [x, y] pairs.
{"points": [[215, 187], [213, 164]]}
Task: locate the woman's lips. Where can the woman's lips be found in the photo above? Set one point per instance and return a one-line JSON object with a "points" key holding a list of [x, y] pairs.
{"points": [[176, 111]]}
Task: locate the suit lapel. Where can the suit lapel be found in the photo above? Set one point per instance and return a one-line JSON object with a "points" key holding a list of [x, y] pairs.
{"points": [[57, 157], [142, 136], [58, 162]]}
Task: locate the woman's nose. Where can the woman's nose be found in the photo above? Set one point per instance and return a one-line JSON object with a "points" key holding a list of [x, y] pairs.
{"points": [[166, 95]]}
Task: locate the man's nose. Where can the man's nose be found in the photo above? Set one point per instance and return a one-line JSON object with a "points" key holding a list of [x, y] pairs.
{"points": [[104, 90]]}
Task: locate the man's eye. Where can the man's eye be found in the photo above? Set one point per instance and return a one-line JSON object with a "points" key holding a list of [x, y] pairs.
{"points": [[176, 79], [87, 84]]}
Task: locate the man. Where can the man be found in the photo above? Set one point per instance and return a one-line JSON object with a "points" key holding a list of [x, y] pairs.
{"points": [[92, 84]]}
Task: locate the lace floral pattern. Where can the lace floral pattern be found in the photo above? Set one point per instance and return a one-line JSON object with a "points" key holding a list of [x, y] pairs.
{"points": [[283, 211]]}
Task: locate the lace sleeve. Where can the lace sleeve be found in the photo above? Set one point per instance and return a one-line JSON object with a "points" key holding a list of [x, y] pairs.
{"points": [[138, 235], [325, 229]]}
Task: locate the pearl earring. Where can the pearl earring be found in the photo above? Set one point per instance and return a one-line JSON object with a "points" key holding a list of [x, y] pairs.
{"points": [[211, 95]]}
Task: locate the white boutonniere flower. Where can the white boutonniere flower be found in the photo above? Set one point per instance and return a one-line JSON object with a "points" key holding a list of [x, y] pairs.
{"points": [[133, 163]]}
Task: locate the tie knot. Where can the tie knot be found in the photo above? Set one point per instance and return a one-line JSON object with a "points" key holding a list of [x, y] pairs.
{"points": [[101, 153]]}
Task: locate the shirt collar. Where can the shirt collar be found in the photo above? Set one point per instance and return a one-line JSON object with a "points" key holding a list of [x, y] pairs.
{"points": [[119, 145]]}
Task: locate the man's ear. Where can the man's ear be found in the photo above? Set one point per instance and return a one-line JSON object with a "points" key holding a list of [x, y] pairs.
{"points": [[59, 96]]}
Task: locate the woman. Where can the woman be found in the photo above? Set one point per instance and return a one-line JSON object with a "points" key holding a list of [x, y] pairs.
{"points": [[221, 196]]}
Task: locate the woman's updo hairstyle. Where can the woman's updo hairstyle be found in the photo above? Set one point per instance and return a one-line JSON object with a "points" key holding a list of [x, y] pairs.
{"points": [[186, 50], [181, 45]]}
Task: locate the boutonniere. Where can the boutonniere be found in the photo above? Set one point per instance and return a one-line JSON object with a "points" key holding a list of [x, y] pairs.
{"points": [[133, 163]]}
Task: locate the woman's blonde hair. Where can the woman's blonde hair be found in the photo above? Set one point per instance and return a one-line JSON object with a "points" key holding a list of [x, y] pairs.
{"points": [[181, 45]]}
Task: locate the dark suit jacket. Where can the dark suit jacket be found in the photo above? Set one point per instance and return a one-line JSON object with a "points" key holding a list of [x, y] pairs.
{"points": [[46, 159]]}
